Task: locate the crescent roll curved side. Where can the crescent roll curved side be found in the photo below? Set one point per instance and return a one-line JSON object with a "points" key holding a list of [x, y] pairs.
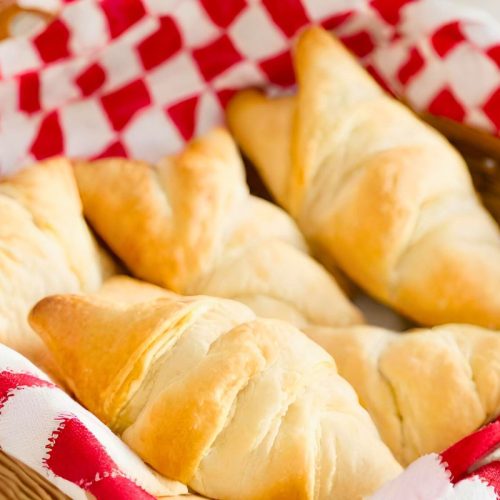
{"points": [[424, 389], [234, 406], [191, 226], [45, 248], [374, 188]]}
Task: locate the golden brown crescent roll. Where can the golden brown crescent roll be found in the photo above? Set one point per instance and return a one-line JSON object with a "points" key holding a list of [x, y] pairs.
{"points": [[425, 389], [190, 225], [374, 188], [234, 406], [45, 248]]}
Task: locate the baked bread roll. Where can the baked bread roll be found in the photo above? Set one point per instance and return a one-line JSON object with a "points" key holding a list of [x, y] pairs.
{"points": [[190, 225], [424, 389], [374, 188], [45, 248], [234, 406]]}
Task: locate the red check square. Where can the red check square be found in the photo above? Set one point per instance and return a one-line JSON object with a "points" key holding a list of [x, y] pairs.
{"points": [[161, 45], [335, 21], [289, 15], [183, 114], [121, 15], [446, 104], [446, 38], [49, 140], [360, 43], [29, 92], [411, 67], [116, 149], [494, 54], [52, 42], [279, 69], [91, 79], [215, 58], [492, 108], [121, 105], [223, 12]]}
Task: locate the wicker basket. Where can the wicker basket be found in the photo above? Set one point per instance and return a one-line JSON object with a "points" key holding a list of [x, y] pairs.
{"points": [[482, 153], [19, 482]]}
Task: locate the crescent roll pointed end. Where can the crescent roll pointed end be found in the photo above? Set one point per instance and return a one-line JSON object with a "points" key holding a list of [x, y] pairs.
{"points": [[104, 348], [190, 225], [262, 128]]}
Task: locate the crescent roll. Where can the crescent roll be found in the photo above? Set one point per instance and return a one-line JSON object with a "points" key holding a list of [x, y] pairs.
{"points": [[234, 406], [45, 248], [190, 225], [374, 188], [424, 389]]}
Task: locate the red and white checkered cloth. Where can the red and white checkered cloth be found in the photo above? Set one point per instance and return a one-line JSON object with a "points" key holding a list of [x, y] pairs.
{"points": [[43, 427], [140, 77], [468, 470]]}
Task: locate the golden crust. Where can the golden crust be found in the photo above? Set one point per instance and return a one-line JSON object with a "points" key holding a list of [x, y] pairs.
{"points": [[246, 110], [201, 401], [378, 191], [49, 193], [191, 226], [143, 333], [234, 406], [126, 290], [424, 389], [45, 248]]}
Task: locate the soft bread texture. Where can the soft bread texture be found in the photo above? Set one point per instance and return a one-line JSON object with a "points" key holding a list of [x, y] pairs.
{"points": [[45, 248], [234, 406], [126, 290], [191, 225], [424, 389], [374, 188]]}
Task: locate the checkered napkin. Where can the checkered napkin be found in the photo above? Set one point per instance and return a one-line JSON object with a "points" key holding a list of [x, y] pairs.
{"points": [[469, 470], [140, 77], [43, 427]]}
